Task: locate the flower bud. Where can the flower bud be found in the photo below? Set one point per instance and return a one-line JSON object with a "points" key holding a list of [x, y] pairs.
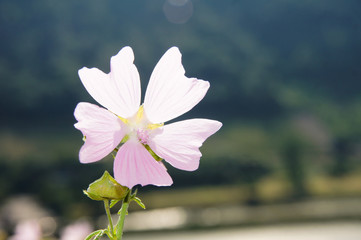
{"points": [[106, 188]]}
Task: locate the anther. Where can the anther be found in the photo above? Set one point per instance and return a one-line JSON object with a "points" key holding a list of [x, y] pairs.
{"points": [[142, 136]]}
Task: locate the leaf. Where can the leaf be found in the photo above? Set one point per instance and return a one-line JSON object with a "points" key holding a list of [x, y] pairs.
{"points": [[113, 202], [140, 203], [96, 234], [99, 235]]}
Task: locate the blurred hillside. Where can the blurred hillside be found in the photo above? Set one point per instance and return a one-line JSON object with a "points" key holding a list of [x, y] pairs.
{"points": [[285, 81], [262, 59]]}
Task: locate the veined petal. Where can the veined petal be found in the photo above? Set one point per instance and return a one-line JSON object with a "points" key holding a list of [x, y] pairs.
{"points": [[135, 165], [118, 91], [170, 93], [101, 128], [178, 143]]}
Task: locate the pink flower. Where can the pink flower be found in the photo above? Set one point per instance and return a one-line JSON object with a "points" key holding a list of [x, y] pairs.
{"points": [[145, 139], [76, 231], [27, 230]]}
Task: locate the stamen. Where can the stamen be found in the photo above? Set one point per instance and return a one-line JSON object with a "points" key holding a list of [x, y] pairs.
{"points": [[142, 135]]}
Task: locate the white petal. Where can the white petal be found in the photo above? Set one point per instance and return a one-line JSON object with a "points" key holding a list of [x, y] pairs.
{"points": [[170, 93], [101, 128], [118, 91], [134, 165], [178, 143]]}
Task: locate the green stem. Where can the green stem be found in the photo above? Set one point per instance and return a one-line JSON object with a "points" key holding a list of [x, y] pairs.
{"points": [[123, 213], [107, 210]]}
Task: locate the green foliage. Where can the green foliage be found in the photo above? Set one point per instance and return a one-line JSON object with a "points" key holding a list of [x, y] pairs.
{"points": [[292, 160], [95, 235], [139, 202]]}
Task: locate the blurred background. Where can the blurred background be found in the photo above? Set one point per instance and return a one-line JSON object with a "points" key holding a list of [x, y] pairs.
{"points": [[285, 81]]}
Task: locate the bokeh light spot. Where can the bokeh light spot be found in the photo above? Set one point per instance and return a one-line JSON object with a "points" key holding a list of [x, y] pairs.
{"points": [[178, 11]]}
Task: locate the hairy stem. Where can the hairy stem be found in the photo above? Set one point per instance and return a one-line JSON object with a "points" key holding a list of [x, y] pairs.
{"points": [[107, 210], [122, 214]]}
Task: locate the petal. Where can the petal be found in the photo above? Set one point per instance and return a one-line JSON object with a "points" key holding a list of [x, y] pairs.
{"points": [[101, 128], [169, 93], [118, 91], [178, 143], [134, 165]]}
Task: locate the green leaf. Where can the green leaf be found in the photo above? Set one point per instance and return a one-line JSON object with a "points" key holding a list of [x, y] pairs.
{"points": [[97, 234], [113, 202], [140, 203]]}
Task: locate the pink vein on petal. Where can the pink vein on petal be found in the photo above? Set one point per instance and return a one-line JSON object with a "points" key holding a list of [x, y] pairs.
{"points": [[118, 91], [178, 143], [170, 93], [101, 128], [135, 165]]}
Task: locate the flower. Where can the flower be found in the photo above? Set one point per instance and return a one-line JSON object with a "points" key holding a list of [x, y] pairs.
{"points": [[140, 128], [76, 231], [28, 229]]}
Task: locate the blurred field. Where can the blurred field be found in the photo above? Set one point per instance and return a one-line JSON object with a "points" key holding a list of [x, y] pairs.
{"points": [[270, 190], [324, 231]]}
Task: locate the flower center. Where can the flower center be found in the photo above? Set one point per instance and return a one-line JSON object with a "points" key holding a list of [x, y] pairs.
{"points": [[139, 127], [143, 135]]}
